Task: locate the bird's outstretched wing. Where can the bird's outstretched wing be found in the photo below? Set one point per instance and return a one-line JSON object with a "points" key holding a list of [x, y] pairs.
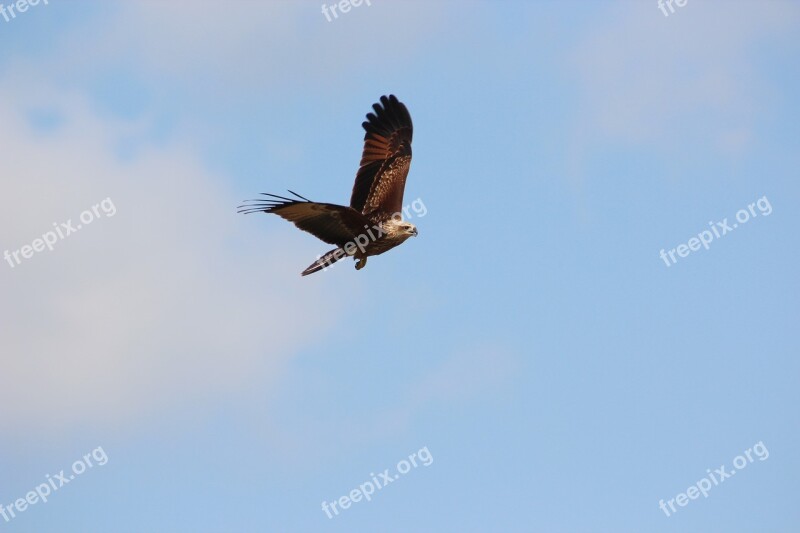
{"points": [[381, 176], [334, 224]]}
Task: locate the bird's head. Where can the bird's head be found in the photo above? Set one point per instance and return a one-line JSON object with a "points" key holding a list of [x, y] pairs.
{"points": [[403, 228]]}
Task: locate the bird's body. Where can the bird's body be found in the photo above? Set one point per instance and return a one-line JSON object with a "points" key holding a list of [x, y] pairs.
{"points": [[382, 238], [373, 222]]}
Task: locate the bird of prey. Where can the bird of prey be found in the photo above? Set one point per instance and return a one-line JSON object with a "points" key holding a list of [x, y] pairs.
{"points": [[373, 223]]}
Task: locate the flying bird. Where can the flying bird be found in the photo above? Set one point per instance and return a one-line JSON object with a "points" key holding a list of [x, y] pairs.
{"points": [[372, 224]]}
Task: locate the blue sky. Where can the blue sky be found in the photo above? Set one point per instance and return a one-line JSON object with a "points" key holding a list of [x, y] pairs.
{"points": [[561, 376]]}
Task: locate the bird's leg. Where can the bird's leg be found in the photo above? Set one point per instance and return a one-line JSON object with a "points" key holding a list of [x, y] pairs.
{"points": [[361, 263]]}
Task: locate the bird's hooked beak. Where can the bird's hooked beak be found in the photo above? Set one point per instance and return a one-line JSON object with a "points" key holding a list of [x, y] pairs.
{"points": [[415, 232]]}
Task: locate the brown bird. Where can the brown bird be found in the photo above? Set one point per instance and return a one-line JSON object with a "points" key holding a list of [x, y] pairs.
{"points": [[373, 223]]}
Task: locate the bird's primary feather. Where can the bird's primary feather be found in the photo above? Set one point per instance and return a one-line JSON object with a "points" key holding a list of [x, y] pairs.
{"points": [[381, 177], [331, 223]]}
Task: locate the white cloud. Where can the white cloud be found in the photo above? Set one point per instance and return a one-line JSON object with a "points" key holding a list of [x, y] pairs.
{"points": [[643, 75], [174, 300], [258, 49], [327, 428]]}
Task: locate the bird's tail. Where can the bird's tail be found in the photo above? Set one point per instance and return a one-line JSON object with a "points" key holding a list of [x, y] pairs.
{"points": [[325, 261]]}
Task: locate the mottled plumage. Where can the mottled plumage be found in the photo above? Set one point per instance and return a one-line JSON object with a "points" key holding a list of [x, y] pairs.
{"points": [[373, 223]]}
